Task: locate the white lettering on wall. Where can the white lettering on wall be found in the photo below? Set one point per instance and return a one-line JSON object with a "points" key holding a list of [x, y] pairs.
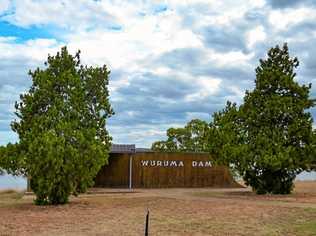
{"points": [[194, 163], [144, 163], [173, 163], [208, 164], [167, 163]]}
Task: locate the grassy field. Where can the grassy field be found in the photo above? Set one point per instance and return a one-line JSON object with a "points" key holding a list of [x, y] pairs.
{"points": [[172, 212]]}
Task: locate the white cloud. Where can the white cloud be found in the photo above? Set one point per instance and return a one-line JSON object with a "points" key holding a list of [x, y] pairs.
{"points": [[140, 38], [237, 58], [281, 19], [4, 5], [256, 35], [34, 50], [207, 87], [64, 13], [131, 36]]}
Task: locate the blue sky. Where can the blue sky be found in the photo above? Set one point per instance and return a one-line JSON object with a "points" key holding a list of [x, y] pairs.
{"points": [[170, 61]]}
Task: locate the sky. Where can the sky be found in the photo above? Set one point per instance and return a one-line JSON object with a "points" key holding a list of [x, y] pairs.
{"points": [[170, 61]]}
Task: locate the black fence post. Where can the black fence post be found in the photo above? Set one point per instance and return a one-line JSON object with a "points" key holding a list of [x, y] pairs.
{"points": [[147, 223]]}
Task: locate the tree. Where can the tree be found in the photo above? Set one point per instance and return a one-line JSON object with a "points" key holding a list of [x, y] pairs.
{"points": [[61, 122], [9, 160], [2, 160], [191, 138], [272, 131], [226, 137]]}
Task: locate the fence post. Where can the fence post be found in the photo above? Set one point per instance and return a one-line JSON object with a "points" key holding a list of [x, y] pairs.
{"points": [[147, 223]]}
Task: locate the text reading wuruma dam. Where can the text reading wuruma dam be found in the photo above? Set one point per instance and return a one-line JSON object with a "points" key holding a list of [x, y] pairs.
{"points": [[168, 163]]}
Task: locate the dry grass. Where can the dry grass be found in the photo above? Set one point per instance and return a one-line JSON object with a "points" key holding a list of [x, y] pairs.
{"points": [[172, 212], [10, 197]]}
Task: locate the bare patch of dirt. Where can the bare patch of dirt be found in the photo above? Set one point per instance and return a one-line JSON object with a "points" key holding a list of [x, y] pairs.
{"points": [[172, 212]]}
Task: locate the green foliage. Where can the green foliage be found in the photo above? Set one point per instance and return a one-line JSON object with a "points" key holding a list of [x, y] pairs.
{"points": [[312, 165], [269, 138], [226, 139], [9, 160], [191, 138], [61, 127], [2, 160]]}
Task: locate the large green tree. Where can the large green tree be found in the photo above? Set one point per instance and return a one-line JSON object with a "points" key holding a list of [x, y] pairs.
{"points": [[269, 138], [191, 138], [61, 124]]}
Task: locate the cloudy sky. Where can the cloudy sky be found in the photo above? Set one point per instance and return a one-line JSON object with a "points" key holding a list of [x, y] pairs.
{"points": [[170, 61]]}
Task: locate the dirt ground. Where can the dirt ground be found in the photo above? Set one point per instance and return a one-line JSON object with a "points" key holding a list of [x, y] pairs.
{"points": [[172, 212]]}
